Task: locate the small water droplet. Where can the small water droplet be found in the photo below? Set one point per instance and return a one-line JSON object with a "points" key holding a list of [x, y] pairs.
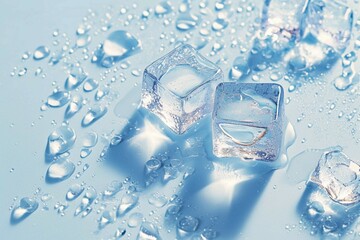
{"points": [[75, 78], [89, 197], [60, 170], [157, 200], [106, 218], [208, 234], [61, 140], [90, 85], [135, 219], [116, 140], [240, 69], [127, 203], [90, 139], [220, 24], [74, 191], [187, 225], [58, 99], [27, 206], [102, 92], [186, 21], [38, 71], [85, 152], [83, 40], [163, 8], [148, 231], [41, 52], [25, 56], [94, 114], [112, 189], [22, 72], [12, 170]]}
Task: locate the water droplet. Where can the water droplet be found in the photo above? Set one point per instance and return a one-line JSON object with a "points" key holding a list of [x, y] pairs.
{"points": [[187, 225], [163, 8], [74, 106], [38, 71], [220, 24], [83, 40], [75, 78], [240, 69], [112, 189], [116, 140], [41, 53], [127, 203], [58, 99], [12, 170], [106, 218], [89, 197], [275, 76], [25, 56], [135, 219], [94, 114], [208, 234], [118, 46], [74, 191], [148, 231], [152, 165], [120, 232], [22, 72], [27, 206], [90, 85], [82, 29], [59, 170], [85, 152], [157, 200], [342, 83], [102, 92], [90, 139], [61, 140], [56, 57], [186, 21]]}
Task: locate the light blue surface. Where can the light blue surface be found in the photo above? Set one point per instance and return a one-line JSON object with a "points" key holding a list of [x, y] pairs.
{"points": [[264, 207]]}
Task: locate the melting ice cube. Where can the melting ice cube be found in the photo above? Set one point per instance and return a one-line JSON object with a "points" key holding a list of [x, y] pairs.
{"points": [[339, 176], [178, 87], [247, 121], [330, 22]]}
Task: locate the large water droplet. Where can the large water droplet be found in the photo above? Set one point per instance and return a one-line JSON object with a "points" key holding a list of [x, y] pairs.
{"points": [[106, 218], [90, 85], [163, 8], [75, 78], [41, 53], [186, 21], [74, 106], [59, 170], [94, 114], [187, 225], [27, 206], [61, 140], [74, 191], [90, 139], [58, 99], [118, 45], [86, 201], [135, 219], [148, 231], [127, 203], [240, 69], [112, 189], [157, 200]]}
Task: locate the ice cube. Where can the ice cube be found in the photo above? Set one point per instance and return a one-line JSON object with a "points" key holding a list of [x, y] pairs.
{"points": [[248, 121], [179, 87], [339, 176], [281, 20], [330, 22]]}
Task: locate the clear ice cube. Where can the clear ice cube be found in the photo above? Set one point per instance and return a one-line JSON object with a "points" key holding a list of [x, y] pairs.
{"points": [[179, 87], [330, 22], [281, 20], [248, 121], [339, 176]]}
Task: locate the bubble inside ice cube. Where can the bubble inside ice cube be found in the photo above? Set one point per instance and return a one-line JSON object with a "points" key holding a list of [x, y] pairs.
{"points": [[339, 176], [179, 87], [247, 121]]}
